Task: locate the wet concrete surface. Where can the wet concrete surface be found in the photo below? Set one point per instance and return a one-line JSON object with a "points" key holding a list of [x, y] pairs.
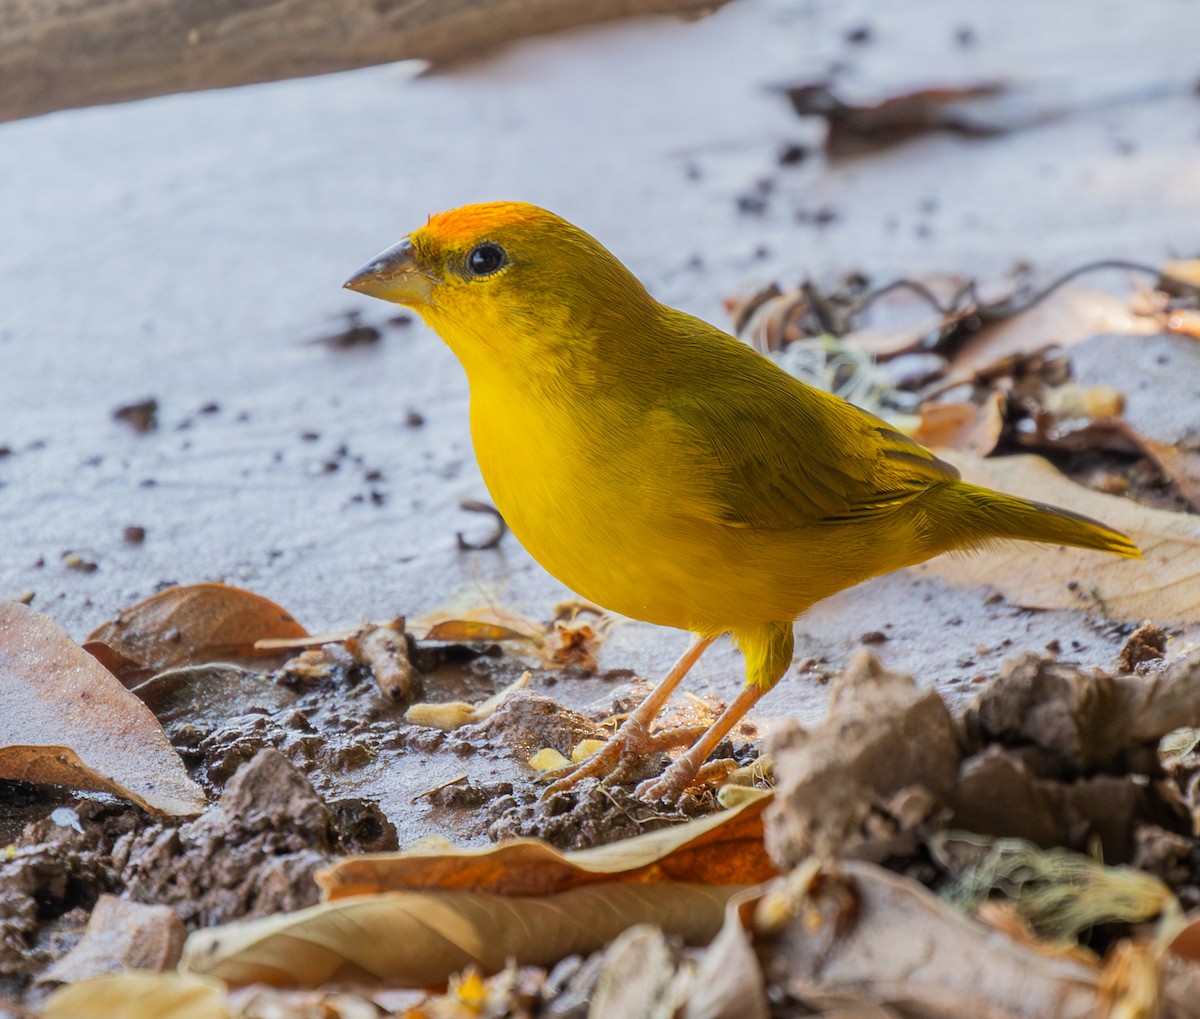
{"points": [[191, 249]]}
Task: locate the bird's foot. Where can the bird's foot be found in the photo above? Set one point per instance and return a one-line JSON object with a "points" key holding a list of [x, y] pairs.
{"points": [[626, 751], [685, 773]]}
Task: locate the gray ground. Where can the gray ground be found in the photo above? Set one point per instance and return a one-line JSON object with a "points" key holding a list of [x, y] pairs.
{"points": [[190, 248]]}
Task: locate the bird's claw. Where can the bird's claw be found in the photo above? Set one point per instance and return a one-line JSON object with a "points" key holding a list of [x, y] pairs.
{"points": [[625, 752], [601, 762]]}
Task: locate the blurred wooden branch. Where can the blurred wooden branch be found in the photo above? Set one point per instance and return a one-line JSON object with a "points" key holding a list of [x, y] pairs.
{"points": [[58, 54]]}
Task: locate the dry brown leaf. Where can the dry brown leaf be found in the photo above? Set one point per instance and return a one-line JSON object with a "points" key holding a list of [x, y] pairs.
{"points": [[857, 933], [968, 427], [638, 978], [729, 982], [66, 720], [1164, 585], [194, 624], [139, 996], [1180, 464], [422, 938], [870, 122], [1067, 316], [465, 631], [724, 848]]}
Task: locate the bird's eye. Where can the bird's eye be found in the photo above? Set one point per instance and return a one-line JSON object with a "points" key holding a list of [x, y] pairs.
{"points": [[486, 259]]}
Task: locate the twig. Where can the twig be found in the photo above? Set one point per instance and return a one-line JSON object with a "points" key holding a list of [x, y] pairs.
{"points": [[438, 788], [966, 300], [472, 506]]}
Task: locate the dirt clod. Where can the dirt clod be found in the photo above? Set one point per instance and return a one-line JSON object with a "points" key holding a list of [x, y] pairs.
{"points": [[251, 855]]}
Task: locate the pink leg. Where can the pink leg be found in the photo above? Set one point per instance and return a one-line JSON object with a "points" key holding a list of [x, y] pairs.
{"points": [[634, 735], [670, 785]]}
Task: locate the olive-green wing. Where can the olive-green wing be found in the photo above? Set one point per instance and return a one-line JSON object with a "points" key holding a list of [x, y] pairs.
{"points": [[776, 454]]}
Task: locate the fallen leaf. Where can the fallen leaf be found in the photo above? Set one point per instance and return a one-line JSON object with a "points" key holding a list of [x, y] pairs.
{"points": [[139, 996], [729, 982], [466, 631], [1179, 463], [1164, 585], [968, 427], [66, 720], [724, 848], [1185, 943], [872, 122], [854, 933], [638, 978], [194, 624], [343, 1002], [1063, 755], [1068, 315], [422, 938]]}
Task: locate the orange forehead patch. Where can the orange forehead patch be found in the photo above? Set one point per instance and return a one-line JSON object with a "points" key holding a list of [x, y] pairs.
{"points": [[470, 221]]}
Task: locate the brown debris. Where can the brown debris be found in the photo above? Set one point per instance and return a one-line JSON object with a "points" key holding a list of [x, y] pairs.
{"points": [[973, 428], [121, 935], [499, 528], [355, 334], [253, 855], [384, 649], [142, 416], [1049, 753], [861, 126], [196, 623], [886, 750], [856, 935], [1148, 643]]}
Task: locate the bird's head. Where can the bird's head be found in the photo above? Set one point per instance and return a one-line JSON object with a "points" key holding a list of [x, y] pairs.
{"points": [[507, 280]]}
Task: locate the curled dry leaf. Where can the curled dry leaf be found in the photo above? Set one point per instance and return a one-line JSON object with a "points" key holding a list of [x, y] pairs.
{"points": [[857, 934], [194, 624], [639, 978], [967, 427], [64, 719], [139, 996], [867, 122], [1164, 585], [422, 938], [725, 848], [1067, 316]]}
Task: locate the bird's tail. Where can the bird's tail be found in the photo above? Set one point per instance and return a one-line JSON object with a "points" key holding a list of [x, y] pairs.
{"points": [[979, 516]]}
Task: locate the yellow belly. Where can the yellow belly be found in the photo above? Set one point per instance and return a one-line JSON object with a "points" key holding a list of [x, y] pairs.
{"points": [[604, 518]]}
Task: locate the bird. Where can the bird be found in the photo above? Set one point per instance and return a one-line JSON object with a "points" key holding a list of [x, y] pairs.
{"points": [[668, 472]]}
